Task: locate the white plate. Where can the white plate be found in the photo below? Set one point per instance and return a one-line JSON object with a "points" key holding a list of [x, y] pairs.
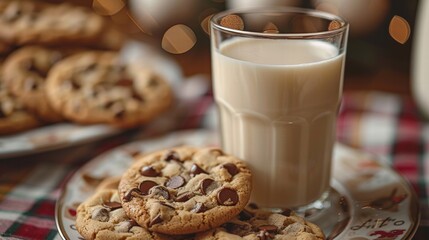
{"points": [[368, 201], [63, 135], [51, 137]]}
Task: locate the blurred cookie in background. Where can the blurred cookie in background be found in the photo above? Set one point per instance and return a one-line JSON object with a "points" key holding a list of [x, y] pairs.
{"points": [[94, 87], [34, 22], [25, 72], [13, 116]]}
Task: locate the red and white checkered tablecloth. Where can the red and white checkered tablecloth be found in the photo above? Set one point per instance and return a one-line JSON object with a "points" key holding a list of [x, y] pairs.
{"points": [[385, 124]]}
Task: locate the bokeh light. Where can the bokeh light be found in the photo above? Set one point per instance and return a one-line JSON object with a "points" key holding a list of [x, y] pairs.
{"points": [[271, 28], [399, 29], [107, 7], [178, 39], [205, 24]]}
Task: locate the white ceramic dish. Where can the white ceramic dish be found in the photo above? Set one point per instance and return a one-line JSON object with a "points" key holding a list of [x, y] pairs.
{"points": [[63, 135], [368, 201]]}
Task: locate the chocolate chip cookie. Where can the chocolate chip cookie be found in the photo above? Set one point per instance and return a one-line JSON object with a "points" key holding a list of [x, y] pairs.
{"points": [[34, 22], [13, 116], [102, 217], [185, 190], [25, 73], [94, 87], [259, 224]]}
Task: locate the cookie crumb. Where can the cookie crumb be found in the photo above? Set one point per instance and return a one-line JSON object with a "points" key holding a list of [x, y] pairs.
{"points": [[232, 21]]}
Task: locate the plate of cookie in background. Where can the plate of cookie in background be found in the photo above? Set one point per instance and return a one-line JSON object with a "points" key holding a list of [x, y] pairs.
{"points": [[68, 77], [157, 187]]}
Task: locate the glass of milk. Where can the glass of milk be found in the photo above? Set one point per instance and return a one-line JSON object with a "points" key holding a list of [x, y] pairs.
{"points": [[277, 77]]}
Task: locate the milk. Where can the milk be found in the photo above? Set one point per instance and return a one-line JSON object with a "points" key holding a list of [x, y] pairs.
{"points": [[278, 102]]}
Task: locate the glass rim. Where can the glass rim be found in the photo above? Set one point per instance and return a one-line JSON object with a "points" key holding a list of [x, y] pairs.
{"points": [[280, 10]]}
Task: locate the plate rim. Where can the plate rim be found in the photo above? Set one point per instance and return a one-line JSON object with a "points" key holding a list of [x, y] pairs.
{"points": [[65, 143], [414, 215]]}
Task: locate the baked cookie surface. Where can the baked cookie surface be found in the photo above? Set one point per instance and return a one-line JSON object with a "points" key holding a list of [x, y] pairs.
{"points": [[102, 217], [13, 116], [25, 73], [94, 87], [35, 22], [258, 224], [185, 190]]}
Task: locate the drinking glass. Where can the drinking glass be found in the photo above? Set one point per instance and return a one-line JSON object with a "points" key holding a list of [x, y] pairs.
{"points": [[277, 78]]}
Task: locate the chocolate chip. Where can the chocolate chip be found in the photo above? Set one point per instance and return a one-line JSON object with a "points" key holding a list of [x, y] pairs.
{"points": [[129, 195], [28, 64], [149, 171], [90, 67], [145, 186], [207, 185], [109, 104], [55, 57], [116, 107], [112, 205], [124, 82], [31, 66], [153, 82], [286, 212], [166, 205], [119, 114], [137, 96], [135, 153], [175, 182], [172, 155], [72, 84], [238, 228], [310, 212], [30, 84], [132, 222], [155, 220], [160, 191], [245, 215], [199, 208], [75, 85], [185, 196], [227, 197], [195, 170], [231, 168], [268, 228]]}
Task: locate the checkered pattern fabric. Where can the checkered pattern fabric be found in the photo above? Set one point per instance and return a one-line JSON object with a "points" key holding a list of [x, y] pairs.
{"points": [[384, 124]]}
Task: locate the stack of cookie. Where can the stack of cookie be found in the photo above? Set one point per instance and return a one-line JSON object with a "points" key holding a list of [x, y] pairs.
{"points": [[185, 193], [61, 64]]}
